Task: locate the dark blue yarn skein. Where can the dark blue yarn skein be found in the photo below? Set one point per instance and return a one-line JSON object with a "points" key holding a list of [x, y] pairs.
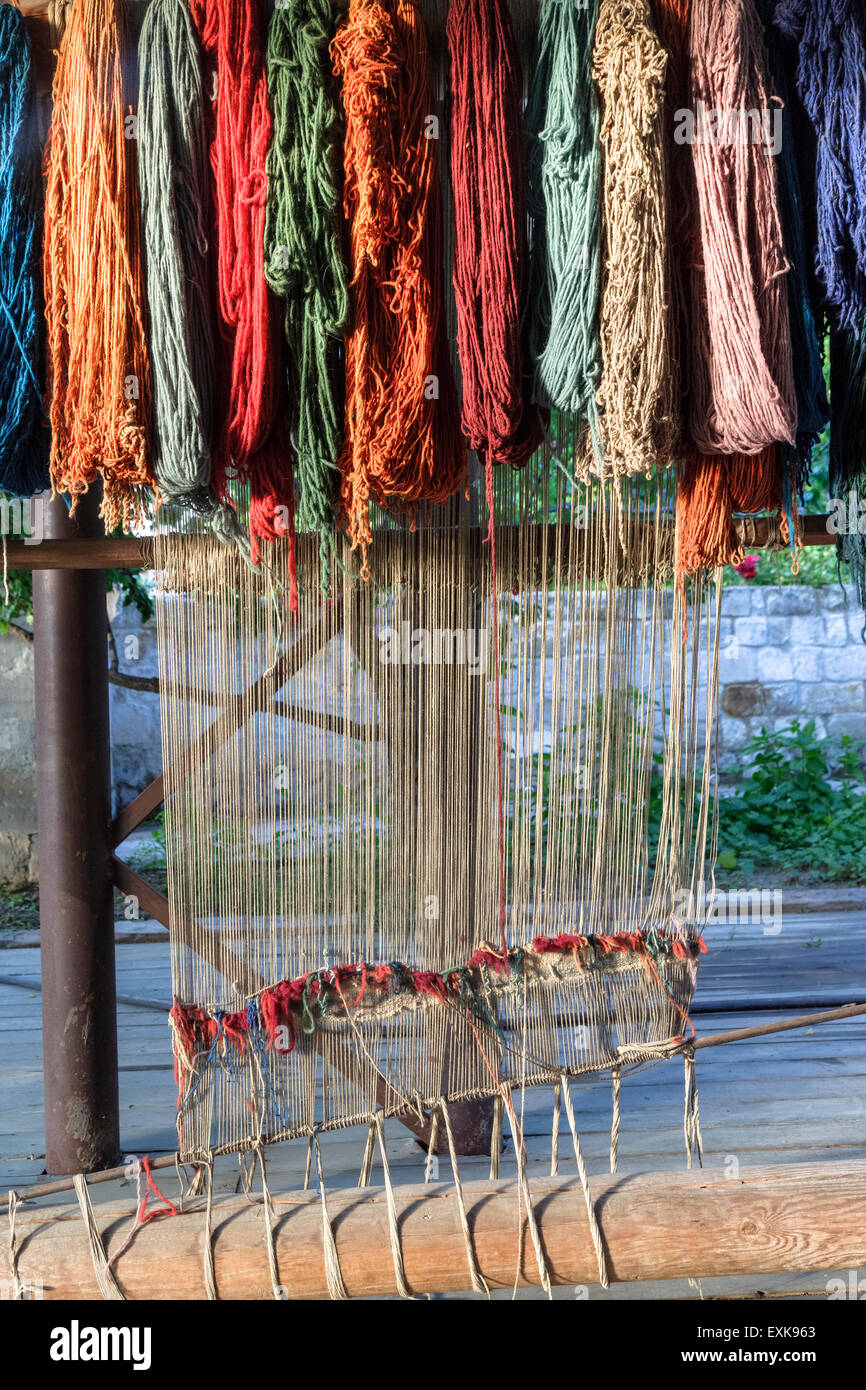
{"points": [[24, 434], [794, 187]]}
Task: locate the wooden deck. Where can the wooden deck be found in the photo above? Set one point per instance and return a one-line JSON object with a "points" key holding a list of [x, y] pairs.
{"points": [[792, 1097]]}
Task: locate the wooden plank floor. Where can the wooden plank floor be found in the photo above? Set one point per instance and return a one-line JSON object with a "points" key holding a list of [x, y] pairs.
{"points": [[792, 1097]]}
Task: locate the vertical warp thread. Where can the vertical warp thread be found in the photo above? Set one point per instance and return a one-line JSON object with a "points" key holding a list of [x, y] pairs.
{"points": [[402, 441], [490, 236], [94, 298], [564, 169], [304, 261], [24, 437]]}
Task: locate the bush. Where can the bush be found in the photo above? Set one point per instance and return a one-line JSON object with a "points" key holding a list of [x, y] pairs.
{"points": [[801, 807]]}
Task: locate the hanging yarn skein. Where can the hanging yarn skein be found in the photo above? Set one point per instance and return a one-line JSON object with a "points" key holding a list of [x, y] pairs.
{"points": [[638, 381], [402, 444], [304, 261], [672, 24], [490, 239], [831, 82], [252, 438], [564, 171], [175, 195], [94, 299], [710, 488], [812, 407], [24, 437], [742, 396]]}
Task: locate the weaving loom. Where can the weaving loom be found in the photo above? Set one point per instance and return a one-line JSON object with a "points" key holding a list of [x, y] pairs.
{"points": [[439, 370], [410, 865]]}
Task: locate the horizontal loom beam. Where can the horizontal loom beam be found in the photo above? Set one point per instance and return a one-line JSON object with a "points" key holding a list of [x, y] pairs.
{"points": [[137, 552], [700, 1224]]}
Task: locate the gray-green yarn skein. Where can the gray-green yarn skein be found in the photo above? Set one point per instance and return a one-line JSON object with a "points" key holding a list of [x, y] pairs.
{"points": [[304, 261], [564, 168], [174, 180]]}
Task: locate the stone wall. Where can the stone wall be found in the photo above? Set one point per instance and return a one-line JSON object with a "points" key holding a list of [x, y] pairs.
{"points": [[790, 653], [786, 653]]}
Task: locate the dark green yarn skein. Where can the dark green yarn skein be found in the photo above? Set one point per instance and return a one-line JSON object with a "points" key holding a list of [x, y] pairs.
{"points": [[304, 261]]}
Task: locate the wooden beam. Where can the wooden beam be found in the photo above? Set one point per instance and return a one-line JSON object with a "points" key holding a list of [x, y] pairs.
{"points": [[791, 1219], [137, 552], [130, 817]]}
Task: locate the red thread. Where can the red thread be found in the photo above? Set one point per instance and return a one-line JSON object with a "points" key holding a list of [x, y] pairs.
{"points": [[167, 1209]]}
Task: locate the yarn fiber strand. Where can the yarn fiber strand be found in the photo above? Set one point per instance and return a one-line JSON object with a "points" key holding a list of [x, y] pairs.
{"points": [[94, 300]]}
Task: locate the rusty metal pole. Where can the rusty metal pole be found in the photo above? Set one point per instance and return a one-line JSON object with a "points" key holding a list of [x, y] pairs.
{"points": [[73, 792]]}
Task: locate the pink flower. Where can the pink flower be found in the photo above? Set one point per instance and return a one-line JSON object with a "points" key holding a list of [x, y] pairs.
{"points": [[749, 567]]}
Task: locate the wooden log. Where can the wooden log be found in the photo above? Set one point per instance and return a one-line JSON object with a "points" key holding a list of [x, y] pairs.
{"points": [[803, 1217]]}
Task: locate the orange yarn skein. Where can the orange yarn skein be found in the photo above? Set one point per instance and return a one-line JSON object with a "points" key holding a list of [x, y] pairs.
{"points": [[94, 295]]}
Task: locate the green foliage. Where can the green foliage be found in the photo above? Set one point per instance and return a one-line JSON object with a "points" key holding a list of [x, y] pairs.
{"points": [[19, 908], [801, 807]]}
